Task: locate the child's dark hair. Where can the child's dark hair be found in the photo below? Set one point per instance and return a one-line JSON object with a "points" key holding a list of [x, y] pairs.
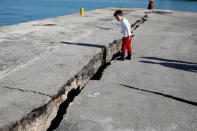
{"points": [[118, 12]]}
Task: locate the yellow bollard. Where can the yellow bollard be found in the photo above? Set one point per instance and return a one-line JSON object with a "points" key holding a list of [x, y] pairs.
{"points": [[82, 11]]}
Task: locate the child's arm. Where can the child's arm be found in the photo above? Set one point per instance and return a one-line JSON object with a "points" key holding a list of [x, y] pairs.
{"points": [[127, 25], [128, 33]]}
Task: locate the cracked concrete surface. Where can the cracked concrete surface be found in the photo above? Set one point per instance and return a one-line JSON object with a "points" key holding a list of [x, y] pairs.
{"points": [[164, 63], [36, 59], [46, 57]]}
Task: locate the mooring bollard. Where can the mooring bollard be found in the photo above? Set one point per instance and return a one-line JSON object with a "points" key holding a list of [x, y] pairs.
{"points": [[81, 11], [151, 4]]}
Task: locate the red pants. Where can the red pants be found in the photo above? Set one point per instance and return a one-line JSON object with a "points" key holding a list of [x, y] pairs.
{"points": [[126, 44]]}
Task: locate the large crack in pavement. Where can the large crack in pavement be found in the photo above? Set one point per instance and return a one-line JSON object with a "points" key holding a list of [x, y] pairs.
{"points": [[97, 76], [75, 92], [63, 108], [49, 116]]}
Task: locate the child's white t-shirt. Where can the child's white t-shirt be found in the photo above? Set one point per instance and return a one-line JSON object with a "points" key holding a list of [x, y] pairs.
{"points": [[126, 27]]}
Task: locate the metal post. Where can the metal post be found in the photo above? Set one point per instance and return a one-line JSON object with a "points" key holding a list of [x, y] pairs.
{"points": [[82, 11], [151, 4]]}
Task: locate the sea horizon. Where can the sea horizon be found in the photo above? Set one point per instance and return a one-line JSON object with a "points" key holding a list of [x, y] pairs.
{"points": [[21, 11]]}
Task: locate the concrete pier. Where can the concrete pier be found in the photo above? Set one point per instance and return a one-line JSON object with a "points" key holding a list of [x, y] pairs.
{"points": [[42, 61], [155, 91]]}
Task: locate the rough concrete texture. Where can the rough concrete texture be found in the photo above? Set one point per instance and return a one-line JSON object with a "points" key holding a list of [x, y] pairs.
{"points": [[41, 61], [155, 91]]}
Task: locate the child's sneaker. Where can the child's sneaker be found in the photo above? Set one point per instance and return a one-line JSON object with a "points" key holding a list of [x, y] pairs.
{"points": [[122, 58], [128, 57]]}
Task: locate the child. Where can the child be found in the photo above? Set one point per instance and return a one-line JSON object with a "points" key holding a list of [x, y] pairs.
{"points": [[127, 36]]}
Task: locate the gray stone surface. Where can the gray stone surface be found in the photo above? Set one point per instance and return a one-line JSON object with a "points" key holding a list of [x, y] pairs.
{"points": [[140, 95], [37, 58]]}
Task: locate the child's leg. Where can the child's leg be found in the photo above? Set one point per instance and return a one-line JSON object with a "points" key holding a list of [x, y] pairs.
{"points": [[129, 49], [124, 47], [129, 45]]}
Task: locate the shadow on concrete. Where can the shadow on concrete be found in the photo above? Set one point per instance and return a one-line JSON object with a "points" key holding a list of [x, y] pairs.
{"points": [[99, 73], [162, 94], [175, 64], [161, 59], [85, 44]]}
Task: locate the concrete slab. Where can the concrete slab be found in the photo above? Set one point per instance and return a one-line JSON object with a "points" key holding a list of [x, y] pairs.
{"points": [[39, 57], [155, 91], [110, 107]]}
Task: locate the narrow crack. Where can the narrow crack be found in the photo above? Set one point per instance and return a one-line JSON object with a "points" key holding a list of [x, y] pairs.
{"points": [[165, 95], [103, 28], [22, 90]]}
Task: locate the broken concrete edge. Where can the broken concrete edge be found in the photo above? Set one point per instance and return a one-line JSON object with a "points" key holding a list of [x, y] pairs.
{"points": [[135, 25], [40, 118]]}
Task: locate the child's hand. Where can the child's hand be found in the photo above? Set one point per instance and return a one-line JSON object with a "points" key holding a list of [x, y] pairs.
{"points": [[129, 38]]}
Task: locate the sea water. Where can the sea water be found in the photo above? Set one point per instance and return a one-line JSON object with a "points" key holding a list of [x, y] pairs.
{"points": [[18, 11]]}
